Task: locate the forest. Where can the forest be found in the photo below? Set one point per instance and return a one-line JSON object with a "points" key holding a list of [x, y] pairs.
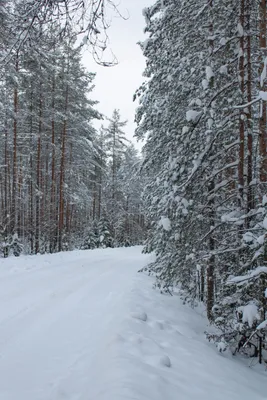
{"points": [[196, 197], [203, 111], [63, 183]]}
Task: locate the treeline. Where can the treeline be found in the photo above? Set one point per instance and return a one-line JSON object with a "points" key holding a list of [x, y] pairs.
{"points": [[63, 184], [203, 110]]}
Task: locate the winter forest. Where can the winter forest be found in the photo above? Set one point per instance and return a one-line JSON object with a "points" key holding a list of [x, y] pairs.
{"points": [[63, 184], [203, 111], [195, 196]]}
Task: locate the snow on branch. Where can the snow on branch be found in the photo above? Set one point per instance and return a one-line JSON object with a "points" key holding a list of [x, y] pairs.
{"points": [[249, 314], [165, 223], [225, 167], [201, 10], [262, 325], [262, 96], [251, 275], [199, 161]]}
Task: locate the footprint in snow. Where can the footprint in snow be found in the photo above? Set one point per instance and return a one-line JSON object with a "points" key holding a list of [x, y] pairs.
{"points": [[158, 325], [165, 361], [141, 315], [137, 339]]}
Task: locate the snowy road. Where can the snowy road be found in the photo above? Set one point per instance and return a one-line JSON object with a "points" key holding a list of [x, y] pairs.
{"points": [[85, 326], [55, 318]]}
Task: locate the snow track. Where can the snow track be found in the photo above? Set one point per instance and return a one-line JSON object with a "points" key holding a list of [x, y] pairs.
{"points": [[54, 320], [85, 326]]}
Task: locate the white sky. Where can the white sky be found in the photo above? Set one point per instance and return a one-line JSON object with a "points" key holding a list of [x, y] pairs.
{"points": [[115, 86]]}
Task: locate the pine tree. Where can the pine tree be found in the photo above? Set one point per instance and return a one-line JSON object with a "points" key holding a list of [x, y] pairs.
{"points": [[205, 151], [116, 145]]}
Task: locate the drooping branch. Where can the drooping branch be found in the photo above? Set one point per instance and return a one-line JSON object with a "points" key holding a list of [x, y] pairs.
{"points": [[89, 19]]}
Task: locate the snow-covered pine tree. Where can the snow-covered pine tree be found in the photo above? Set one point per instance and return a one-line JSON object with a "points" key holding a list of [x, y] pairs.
{"points": [[199, 106], [47, 136], [116, 144]]}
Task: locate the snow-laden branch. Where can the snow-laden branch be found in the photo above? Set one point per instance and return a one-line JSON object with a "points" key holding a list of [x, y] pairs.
{"points": [[201, 10], [251, 275], [219, 171], [88, 18], [262, 96], [262, 325], [247, 104], [199, 161]]}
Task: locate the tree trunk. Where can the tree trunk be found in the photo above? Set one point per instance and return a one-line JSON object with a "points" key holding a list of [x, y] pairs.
{"points": [[38, 176], [241, 68], [263, 119], [211, 261], [250, 196], [62, 174], [52, 218], [14, 174], [6, 213], [211, 186]]}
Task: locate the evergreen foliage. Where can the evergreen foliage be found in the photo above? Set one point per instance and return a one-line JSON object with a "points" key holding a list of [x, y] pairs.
{"points": [[62, 184], [202, 109]]}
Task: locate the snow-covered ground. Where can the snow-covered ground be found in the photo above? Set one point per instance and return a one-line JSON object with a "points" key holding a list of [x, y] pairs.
{"points": [[86, 326]]}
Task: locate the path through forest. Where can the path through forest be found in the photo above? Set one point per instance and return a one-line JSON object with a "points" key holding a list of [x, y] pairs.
{"points": [[84, 325]]}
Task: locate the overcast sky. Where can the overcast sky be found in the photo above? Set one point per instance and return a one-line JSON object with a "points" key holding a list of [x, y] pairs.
{"points": [[116, 85]]}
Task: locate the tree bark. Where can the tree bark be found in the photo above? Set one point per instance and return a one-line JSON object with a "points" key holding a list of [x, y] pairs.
{"points": [[62, 175], [241, 68], [14, 174], [38, 176], [250, 196], [263, 118], [211, 186]]}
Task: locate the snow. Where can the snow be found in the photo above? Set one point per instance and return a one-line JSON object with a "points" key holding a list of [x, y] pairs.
{"points": [[184, 211], [205, 84], [263, 73], [221, 346], [84, 325], [248, 237], [240, 30], [210, 123], [185, 202], [260, 239], [262, 325], [85, 40], [209, 73], [185, 129], [251, 274], [192, 115], [249, 314], [165, 361], [264, 224], [195, 102], [165, 223], [263, 95], [139, 315], [223, 69], [264, 200]]}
